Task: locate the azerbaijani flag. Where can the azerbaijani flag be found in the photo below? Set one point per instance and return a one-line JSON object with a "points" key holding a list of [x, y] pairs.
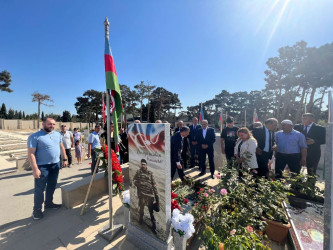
{"points": [[201, 117], [255, 116], [113, 89]]}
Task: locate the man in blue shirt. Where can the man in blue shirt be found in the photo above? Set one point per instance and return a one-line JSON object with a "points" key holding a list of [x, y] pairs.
{"points": [[44, 149], [291, 149], [94, 142]]}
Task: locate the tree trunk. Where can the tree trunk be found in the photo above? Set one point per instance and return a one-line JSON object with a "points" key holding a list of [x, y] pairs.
{"points": [[310, 105], [141, 111], [300, 109], [148, 107], [38, 114], [279, 103], [285, 105], [322, 98]]}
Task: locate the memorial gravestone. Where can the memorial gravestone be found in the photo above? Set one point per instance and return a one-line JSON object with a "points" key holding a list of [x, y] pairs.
{"points": [[150, 185]]}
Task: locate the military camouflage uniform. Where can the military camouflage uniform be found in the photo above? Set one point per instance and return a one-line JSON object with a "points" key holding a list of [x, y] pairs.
{"points": [[147, 192]]}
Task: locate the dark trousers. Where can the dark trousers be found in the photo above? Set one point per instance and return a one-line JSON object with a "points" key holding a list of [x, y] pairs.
{"points": [[149, 202], [69, 156], [202, 159], [293, 161], [48, 179], [184, 155], [229, 154], [93, 161], [194, 151], [312, 160], [262, 161], [180, 171]]}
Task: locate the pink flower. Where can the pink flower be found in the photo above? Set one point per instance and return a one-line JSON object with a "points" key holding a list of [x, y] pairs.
{"points": [[218, 176], [212, 190], [233, 231], [223, 191], [205, 194], [250, 229]]}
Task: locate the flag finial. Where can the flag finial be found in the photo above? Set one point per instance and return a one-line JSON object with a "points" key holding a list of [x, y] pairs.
{"points": [[106, 24]]}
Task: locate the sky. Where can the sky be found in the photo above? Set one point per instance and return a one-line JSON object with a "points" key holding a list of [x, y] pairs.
{"points": [[195, 48]]}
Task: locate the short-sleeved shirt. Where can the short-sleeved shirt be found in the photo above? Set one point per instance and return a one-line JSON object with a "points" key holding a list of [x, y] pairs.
{"points": [[77, 136], [230, 137], [47, 146], [94, 140], [66, 139], [290, 143]]}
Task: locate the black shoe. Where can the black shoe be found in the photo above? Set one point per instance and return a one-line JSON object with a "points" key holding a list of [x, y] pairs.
{"points": [[52, 206], [37, 214], [201, 174], [212, 176]]}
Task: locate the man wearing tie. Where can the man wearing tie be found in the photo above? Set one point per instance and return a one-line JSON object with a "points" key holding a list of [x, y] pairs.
{"points": [[194, 128], [265, 139], [206, 139], [315, 136], [176, 150]]}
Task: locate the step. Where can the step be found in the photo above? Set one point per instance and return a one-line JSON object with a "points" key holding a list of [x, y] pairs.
{"points": [[9, 152], [13, 146], [5, 142]]}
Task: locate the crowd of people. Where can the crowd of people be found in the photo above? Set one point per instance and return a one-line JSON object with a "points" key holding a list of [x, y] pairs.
{"points": [[292, 146]]}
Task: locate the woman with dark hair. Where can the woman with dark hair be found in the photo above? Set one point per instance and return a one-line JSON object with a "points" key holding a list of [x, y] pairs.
{"points": [[245, 149]]}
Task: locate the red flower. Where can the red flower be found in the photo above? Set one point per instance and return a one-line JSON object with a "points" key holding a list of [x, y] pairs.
{"points": [[200, 189], [173, 195], [185, 200], [250, 229]]}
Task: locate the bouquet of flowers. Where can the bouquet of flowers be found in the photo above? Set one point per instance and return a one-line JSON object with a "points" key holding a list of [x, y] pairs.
{"points": [[182, 224], [117, 176], [126, 199]]}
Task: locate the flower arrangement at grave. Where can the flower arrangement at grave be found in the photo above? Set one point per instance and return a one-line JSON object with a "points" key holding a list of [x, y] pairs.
{"points": [[126, 199], [182, 224], [117, 176], [304, 186], [236, 215]]}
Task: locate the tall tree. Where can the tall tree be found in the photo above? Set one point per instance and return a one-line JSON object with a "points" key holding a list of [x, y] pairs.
{"points": [[129, 98], [20, 115], [43, 116], [89, 106], [5, 80], [149, 90], [3, 111], [41, 99], [66, 116], [11, 113], [23, 115], [141, 90]]}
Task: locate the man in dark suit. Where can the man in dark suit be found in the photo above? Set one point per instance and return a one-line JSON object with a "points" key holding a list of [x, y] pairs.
{"points": [[265, 139], [176, 151], [206, 139], [185, 144], [194, 128], [315, 136]]}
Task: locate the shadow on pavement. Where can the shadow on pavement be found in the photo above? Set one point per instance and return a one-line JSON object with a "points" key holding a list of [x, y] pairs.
{"points": [[61, 228]]}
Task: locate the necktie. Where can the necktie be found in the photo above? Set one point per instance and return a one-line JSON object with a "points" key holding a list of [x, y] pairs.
{"points": [[305, 130]]}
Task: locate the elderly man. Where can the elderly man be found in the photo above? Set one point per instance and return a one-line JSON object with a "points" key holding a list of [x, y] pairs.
{"points": [[206, 140], [265, 139], [68, 142], [44, 148], [291, 149], [177, 142], [315, 136], [194, 128]]}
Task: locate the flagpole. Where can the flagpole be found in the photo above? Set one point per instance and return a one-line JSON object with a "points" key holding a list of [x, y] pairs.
{"points": [[245, 119], [108, 232], [106, 23]]}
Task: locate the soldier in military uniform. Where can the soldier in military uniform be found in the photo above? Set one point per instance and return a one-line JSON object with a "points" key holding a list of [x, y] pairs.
{"points": [[147, 192]]}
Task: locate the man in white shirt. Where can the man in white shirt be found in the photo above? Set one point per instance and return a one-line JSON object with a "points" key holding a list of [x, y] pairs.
{"points": [[68, 142]]}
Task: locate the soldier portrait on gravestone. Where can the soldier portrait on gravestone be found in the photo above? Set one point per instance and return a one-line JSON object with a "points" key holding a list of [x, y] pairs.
{"points": [[149, 174], [147, 193]]}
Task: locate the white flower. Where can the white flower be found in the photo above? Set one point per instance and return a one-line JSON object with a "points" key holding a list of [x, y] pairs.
{"points": [[126, 197], [183, 223]]}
